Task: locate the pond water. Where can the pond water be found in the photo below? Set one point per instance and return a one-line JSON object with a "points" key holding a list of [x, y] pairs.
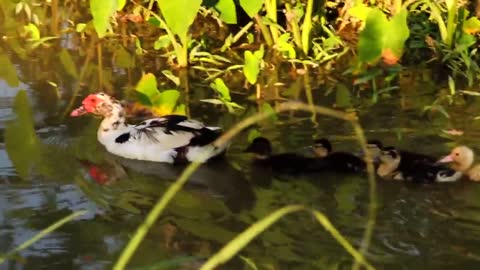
{"points": [[51, 166]]}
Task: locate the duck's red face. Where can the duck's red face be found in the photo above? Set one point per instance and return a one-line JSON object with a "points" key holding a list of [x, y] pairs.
{"points": [[90, 104]]}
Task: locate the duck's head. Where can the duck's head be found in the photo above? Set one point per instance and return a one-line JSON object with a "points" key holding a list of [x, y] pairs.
{"points": [[374, 148], [98, 104], [261, 147], [461, 158], [389, 155], [322, 147]]}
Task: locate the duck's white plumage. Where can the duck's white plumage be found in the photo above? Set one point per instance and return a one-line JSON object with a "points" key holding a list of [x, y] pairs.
{"points": [[166, 139]]}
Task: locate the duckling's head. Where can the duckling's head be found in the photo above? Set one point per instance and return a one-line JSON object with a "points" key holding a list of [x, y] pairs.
{"points": [[374, 148], [260, 147], [389, 155], [461, 158], [322, 147]]}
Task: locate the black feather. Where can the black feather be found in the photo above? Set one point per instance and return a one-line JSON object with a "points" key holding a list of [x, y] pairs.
{"points": [[123, 138]]}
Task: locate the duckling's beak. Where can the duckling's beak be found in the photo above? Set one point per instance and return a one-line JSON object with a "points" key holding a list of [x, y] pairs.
{"points": [[446, 159], [78, 111]]}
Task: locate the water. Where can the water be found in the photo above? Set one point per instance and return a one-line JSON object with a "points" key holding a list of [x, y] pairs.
{"points": [[63, 169]]}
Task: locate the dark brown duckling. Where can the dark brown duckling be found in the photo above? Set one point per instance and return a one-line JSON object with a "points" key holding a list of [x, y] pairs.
{"points": [[336, 161]]}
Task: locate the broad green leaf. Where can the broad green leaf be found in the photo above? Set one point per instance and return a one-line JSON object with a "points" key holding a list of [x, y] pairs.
{"points": [[179, 15], [219, 86], [181, 109], [162, 42], [396, 33], [32, 29], [472, 25], [167, 99], [343, 96], [101, 11], [172, 77], [251, 7], [252, 134], [147, 86], [68, 63], [227, 11], [8, 71], [370, 44], [251, 68], [121, 4], [20, 138]]}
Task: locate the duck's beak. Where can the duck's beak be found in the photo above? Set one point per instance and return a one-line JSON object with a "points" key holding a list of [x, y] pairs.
{"points": [[78, 111], [446, 159]]}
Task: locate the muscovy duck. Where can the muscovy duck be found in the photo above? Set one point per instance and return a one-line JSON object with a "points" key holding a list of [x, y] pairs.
{"points": [[393, 165], [171, 138], [336, 161], [461, 159]]}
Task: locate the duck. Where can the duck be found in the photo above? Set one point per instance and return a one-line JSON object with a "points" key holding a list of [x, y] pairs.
{"points": [[461, 159], [335, 160], [169, 139], [393, 165], [292, 163]]}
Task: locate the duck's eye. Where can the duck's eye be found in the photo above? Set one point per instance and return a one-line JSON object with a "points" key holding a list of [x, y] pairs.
{"points": [[457, 154]]}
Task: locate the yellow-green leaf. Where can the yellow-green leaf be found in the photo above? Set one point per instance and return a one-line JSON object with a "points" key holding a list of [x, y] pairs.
{"points": [[102, 11]]}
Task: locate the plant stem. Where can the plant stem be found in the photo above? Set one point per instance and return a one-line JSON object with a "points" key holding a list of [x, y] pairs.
{"points": [[271, 7], [307, 27], [292, 20], [452, 14], [264, 30]]}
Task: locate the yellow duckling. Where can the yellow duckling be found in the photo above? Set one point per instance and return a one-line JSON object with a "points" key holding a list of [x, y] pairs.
{"points": [[462, 158]]}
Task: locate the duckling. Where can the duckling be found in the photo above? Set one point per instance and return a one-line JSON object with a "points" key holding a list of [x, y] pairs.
{"points": [[336, 161], [285, 162], [461, 159], [393, 165]]}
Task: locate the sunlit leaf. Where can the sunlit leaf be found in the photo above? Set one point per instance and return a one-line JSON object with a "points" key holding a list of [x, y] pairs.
{"points": [[80, 27], [252, 134], [68, 63], [167, 99], [359, 11], [251, 69], [472, 25], [181, 109], [8, 71], [172, 77], [396, 33], [227, 11], [162, 42], [251, 7], [179, 14], [219, 86], [370, 43], [20, 139], [101, 11], [123, 58], [147, 86], [121, 4], [32, 29]]}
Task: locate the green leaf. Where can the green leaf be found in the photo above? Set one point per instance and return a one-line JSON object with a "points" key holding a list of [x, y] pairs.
{"points": [[251, 7], [101, 11], [267, 108], [179, 15], [396, 33], [80, 27], [167, 100], [32, 29], [359, 11], [251, 69], [172, 77], [219, 86], [68, 63], [123, 58], [8, 71], [370, 44], [147, 86], [121, 4], [162, 42], [343, 96], [181, 109], [252, 134], [20, 138], [227, 11], [472, 25]]}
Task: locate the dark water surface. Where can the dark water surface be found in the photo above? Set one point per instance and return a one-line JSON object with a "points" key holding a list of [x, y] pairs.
{"points": [[50, 167]]}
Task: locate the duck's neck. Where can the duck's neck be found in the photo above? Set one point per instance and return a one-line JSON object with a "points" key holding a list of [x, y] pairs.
{"points": [[386, 168], [463, 166], [114, 121]]}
